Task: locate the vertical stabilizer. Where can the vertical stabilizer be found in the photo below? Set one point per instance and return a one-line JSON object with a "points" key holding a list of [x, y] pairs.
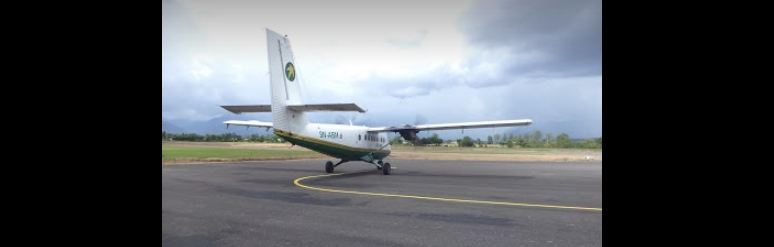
{"points": [[285, 89]]}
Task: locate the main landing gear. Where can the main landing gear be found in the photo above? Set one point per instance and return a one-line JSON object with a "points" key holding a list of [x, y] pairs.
{"points": [[386, 168], [329, 167]]}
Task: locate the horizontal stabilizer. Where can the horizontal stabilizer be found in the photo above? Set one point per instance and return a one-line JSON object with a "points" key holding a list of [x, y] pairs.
{"points": [[327, 107], [247, 108], [248, 123]]}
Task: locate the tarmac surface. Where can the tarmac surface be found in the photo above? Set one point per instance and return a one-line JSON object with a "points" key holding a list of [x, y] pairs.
{"points": [[423, 203]]}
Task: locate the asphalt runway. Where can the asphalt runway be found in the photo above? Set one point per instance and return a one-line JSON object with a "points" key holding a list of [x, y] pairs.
{"points": [[258, 204]]}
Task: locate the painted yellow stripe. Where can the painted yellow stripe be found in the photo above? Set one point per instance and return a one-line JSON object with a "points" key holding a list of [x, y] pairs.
{"points": [[298, 183]]}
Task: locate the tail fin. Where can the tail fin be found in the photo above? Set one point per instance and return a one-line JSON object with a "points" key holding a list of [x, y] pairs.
{"points": [[285, 89]]}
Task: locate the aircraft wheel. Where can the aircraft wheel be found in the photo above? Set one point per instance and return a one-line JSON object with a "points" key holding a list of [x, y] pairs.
{"points": [[386, 169], [381, 164], [329, 167]]}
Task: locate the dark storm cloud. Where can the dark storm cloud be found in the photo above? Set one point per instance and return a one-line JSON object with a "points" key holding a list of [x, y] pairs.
{"points": [[540, 37], [516, 42]]}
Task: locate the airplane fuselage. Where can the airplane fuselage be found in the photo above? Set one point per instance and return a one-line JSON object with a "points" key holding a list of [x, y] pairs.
{"points": [[341, 141]]}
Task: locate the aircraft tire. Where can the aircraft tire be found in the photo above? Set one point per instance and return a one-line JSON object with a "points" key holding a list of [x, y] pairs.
{"points": [[329, 167], [386, 169]]}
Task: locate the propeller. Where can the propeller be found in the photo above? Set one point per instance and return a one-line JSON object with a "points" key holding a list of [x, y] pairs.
{"points": [[411, 135], [419, 120]]}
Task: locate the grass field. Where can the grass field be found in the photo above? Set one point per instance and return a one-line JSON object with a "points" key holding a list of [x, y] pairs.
{"points": [[190, 152]]}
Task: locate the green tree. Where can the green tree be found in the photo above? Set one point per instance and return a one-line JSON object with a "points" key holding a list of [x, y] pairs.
{"points": [[466, 142], [563, 141], [599, 141], [435, 140], [256, 138], [275, 139], [398, 140], [537, 136], [526, 140], [424, 141], [588, 143], [550, 140]]}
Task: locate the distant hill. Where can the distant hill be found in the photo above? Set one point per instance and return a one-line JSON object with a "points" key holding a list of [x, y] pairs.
{"points": [[170, 128]]}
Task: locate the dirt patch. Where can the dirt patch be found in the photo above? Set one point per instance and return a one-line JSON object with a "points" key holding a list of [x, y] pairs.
{"points": [[494, 157]]}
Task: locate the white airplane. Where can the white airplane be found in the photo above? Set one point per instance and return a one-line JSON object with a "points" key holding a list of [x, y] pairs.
{"points": [[346, 142]]}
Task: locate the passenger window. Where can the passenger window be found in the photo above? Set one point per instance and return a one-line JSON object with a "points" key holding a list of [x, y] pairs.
{"points": [[359, 138]]}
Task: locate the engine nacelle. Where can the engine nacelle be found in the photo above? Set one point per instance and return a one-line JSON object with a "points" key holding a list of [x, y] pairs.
{"points": [[409, 135]]}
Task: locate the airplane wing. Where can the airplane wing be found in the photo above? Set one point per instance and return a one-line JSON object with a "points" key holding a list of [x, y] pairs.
{"points": [[327, 107], [448, 126], [238, 109], [409, 131], [249, 124]]}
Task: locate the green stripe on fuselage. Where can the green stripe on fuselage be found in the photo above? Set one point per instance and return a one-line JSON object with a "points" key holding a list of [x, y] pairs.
{"points": [[332, 149]]}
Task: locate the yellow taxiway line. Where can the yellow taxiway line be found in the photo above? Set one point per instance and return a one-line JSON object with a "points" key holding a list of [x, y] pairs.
{"points": [[298, 183]]}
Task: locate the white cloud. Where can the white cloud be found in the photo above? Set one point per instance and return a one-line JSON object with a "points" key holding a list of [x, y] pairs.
{"points": [[200, 70]]}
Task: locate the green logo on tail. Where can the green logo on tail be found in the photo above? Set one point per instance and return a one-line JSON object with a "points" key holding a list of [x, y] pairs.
{"points": [[290, 71]]}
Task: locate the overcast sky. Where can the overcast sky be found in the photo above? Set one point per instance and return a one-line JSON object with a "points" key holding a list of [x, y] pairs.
{"points": [[407, 62]]}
